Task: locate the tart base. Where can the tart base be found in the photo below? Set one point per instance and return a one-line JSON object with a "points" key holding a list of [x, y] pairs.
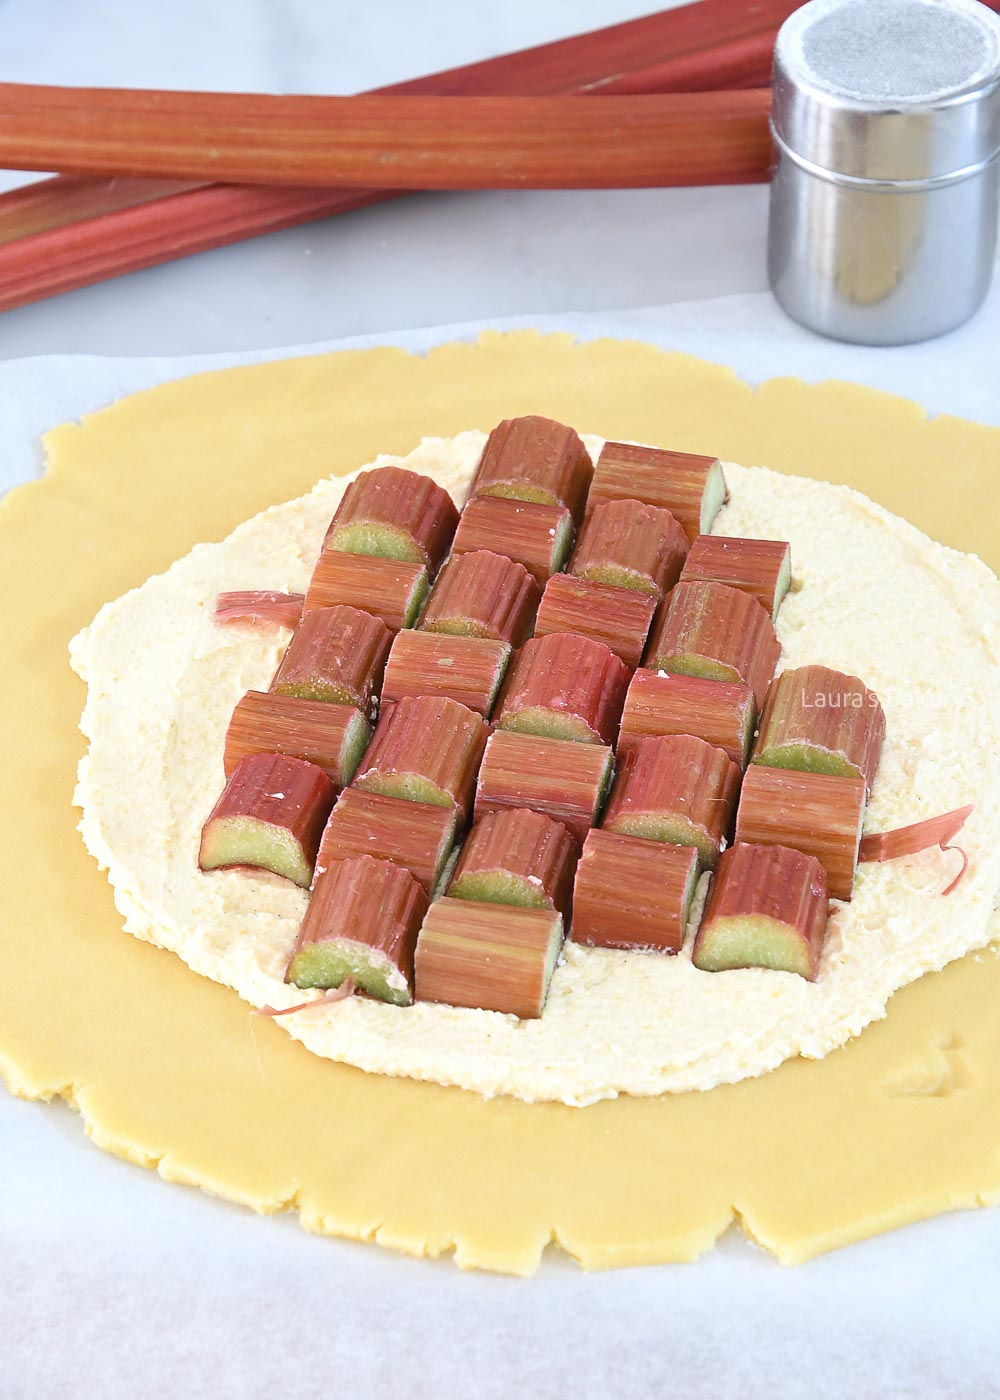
{"points": [[898, 1125]]}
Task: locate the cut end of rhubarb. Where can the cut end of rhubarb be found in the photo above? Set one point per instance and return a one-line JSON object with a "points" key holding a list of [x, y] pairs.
{"points": [[270, 817], [392, 513], [536, 460], [817, 720], [516, 857], [564, 686], [483, 595], [330, 963], [767, 908]]}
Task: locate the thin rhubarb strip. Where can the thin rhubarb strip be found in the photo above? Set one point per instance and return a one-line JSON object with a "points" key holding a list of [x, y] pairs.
{"points": [[618, 618], [392, 513], [270, 817], [482, 595], [534, 459], [390, 589], [762, 568], [337, 655], [332, 737], [425, 749], [341, 993], [409, 142], [919, 836], [659, 703], [677, 789], [690, 486], [565, 781], [712, 630], [467, 669], [516, 857], [495, 957], [259, 607], [630, 545], [633, 894], [417, 836], [537, 536], [821, 721], [563, 686], [816, 813], [767, 908], [360, 927]]}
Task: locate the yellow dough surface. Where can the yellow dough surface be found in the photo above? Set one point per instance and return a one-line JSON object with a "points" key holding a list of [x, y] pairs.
{"points": [[171, 1070]]}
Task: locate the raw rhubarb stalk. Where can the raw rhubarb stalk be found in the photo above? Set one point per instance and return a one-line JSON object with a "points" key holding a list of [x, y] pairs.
{"points": [[259, 607], [658, 703], [335, 654], [534, 459], [565, 781], [466, 669], [767, 907], [539, 537], [414, 835], [762, 568], [821, 721], [631, 893], [516, 857], [270, 817], [618, 618], [482, 595], [712, 630], [816, 813], [678, 789], [563, 686], [492, 956], [392, 513], [425, 749], [360, 926], [333, 737], [390, 589], [691, 487], [920, 836], [630, 545]]}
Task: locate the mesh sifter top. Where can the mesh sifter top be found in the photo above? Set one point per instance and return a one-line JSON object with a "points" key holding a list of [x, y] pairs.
{"points": [[893, 51]]}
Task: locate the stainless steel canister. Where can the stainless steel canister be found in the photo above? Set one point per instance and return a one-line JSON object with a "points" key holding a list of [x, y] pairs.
{"points": [[886, 118]]}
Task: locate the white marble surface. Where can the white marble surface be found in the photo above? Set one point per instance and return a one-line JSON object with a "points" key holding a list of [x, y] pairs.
{"points": [[419, 261]]}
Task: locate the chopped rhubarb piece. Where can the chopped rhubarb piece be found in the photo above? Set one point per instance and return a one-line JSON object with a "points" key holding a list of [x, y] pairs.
{"points": [[762, 568], [391, 589], [562, 686], [482, 595], [631, 893], [815, 813], [712, 630], [425, 749], [767, 907], [630, 545], [539, 537], [618, 618], [259, 607], [691, 487], [720, 712], [333, 737], [392, 513], [492, 956], [415, 835], [566, 781], [270, 817], [516, 857], [360, 926], [335, 654], [466, 669], [534, 459], [678, 789], [821, 721]]}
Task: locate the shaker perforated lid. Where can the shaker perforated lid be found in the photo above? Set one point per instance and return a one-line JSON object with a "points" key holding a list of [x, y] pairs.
{"points": [[889, 90]]}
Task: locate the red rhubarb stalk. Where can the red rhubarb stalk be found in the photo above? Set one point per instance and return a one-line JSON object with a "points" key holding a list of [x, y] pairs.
{"points": [[259, 607]]}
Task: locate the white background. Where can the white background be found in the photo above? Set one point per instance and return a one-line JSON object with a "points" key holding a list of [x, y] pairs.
{"points": [[115, 1284]]}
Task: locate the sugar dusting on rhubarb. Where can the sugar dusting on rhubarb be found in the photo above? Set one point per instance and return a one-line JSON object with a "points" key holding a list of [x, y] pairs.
{"points": [[873, 597]]}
